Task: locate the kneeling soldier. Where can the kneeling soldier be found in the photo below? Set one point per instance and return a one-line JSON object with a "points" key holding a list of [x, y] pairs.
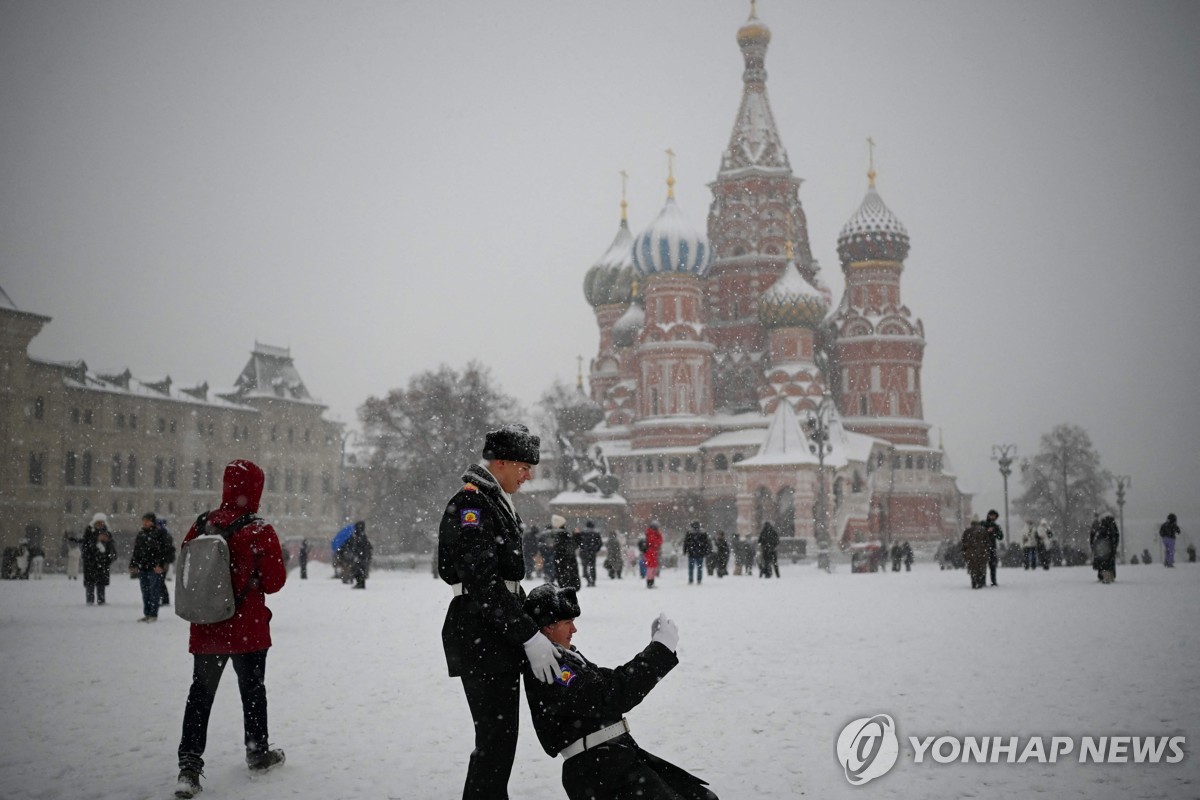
{"points": [[605, 763]]}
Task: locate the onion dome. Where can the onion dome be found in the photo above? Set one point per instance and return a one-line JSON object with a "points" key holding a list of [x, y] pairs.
{"points": [[670, 244], [873, 233], [792, 302], [754, 31], [627, 327], [610, 280]]}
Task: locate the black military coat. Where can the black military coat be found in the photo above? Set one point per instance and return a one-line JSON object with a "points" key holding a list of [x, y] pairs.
{"points": [[479, 546]]}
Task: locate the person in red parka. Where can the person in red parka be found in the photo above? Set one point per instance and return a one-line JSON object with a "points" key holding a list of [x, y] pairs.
{"points": [[654, 542], [257, 569]]}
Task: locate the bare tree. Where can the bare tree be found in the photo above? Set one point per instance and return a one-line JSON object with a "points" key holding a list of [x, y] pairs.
{"points": [[1065, 483], [421, 438]]}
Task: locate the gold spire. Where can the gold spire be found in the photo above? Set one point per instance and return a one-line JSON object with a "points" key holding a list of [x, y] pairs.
{"points": [[579, 376], [633, 289], [791, 253], [670, 173], [871, 156], [624, 204], [753, 9]]}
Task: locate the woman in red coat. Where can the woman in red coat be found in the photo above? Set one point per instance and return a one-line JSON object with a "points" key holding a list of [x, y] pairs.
{"points": [[654, 542], [256, 569]]}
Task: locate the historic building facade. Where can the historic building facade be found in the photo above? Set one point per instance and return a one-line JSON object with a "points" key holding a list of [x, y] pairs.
{"points": [[734, 390], [74, 441]]}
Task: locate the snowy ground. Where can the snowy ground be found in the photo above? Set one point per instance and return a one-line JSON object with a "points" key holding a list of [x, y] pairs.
{"points": [[91, 701]]}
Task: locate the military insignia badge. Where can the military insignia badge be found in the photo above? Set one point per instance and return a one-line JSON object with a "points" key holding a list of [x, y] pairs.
{"points": [[469, 517], [565, 676]]}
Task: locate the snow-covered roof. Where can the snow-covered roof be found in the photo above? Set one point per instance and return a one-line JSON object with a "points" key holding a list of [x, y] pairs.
{"points": [[587, 499], [745, 437], [785, 442]]}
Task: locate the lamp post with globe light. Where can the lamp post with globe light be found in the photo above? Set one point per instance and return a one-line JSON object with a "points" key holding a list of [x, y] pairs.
{"points": [[817, 427], [1003, 454]]}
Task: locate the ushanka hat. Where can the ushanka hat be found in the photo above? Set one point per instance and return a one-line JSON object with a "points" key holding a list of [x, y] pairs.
{"points": [[547, 604], [512, 443]]}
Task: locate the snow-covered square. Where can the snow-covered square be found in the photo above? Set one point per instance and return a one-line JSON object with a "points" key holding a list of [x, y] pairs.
{"points": [[770, 673]]}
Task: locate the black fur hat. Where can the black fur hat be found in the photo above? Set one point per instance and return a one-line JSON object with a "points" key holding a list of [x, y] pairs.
{"points": [[512, 443], [547, 604]]}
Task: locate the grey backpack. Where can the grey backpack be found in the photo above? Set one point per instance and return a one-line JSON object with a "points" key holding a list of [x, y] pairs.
{"points": [[203, 580]]}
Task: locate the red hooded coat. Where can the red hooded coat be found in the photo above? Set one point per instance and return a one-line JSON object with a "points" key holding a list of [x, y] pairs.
{"points": [[256, 562], [654, 543]]}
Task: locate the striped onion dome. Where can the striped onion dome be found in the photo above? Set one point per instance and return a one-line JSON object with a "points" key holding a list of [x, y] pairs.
{"points": [[610, 280], [670, 244], [627, 327], [873, 233], [792, 302]]}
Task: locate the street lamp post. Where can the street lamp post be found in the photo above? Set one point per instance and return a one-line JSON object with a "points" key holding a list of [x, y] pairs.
{"points": [[1003, 454], [1123, 482], [818, 430]]}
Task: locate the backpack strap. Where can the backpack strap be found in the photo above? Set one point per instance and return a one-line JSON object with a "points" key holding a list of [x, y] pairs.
{"points": [[227, 534]]}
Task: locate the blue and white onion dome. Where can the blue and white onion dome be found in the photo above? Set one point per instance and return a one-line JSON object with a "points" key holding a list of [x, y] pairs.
{"points": [[627, 327], [610, 280], [670, 244], [792, 302], [873, 233]]}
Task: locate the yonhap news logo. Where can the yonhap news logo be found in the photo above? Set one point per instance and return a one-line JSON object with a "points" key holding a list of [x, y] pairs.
{"points": [[868, 747]]}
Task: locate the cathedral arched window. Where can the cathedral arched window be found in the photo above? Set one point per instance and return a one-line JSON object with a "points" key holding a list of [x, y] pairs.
{"points": [[720, 463]]}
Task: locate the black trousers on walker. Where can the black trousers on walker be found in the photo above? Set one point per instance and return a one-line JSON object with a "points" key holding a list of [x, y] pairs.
{"points": [[495, 701], [251, 668]]}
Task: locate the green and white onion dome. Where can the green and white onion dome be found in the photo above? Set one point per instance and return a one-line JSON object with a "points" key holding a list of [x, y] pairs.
{"points": [[627, 327], [610, 280], [671, 245], [792, 302], [873, 233]]}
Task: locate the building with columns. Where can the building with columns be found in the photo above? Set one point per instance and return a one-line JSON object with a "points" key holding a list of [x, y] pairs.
{"points": [[76, 440], [734, 390]]}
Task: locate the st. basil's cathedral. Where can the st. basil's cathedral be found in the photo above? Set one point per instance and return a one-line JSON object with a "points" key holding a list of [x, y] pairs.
{"points": [[732, 388]]}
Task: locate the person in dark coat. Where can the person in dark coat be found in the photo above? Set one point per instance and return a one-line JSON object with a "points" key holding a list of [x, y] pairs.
{"points": [[487, 636], [1104, 541], [357, 554], [994, 533], [256, 568], [907, 552], [975, 553], [614, 558], [695, 547], [580, 716], [167, 543], [897, 556], [721, 554], [148, 563], [303, 559], [546, 550], [98, 551], [768, 542], [566, 543], [590, 544], [1168, 531]]}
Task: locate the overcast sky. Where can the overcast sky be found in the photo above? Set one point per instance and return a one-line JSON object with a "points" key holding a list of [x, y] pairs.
{"points": [[384, 187]]}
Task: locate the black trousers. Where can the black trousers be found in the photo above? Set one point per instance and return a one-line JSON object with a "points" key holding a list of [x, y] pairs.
{"points": [[993, 558], [621, 770], [495, 704], [251, 669]]}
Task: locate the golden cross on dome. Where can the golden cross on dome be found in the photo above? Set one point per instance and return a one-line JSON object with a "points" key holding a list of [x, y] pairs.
{"points": [[871, 156], [670, 173], [753, 9], [624, 205]]}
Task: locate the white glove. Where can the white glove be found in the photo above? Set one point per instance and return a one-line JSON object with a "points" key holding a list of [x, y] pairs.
{"points": [[542, 657], [665, 632]]}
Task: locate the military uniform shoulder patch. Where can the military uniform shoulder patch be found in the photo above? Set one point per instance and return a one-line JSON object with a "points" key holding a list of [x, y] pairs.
{"points": [[470, 517], [565, 676], [470, 487]]}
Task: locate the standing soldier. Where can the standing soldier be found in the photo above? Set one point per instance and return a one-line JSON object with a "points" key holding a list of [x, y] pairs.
{"points": [[590, 543], [167, 543], [994, 534], [486, 627]]}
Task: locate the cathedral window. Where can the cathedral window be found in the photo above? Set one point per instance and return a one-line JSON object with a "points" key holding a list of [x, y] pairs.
{"points": [[674, 464], [908, 462], [921, 462], [862, 405], [720, 463], [738, 457], [689, 464]]}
